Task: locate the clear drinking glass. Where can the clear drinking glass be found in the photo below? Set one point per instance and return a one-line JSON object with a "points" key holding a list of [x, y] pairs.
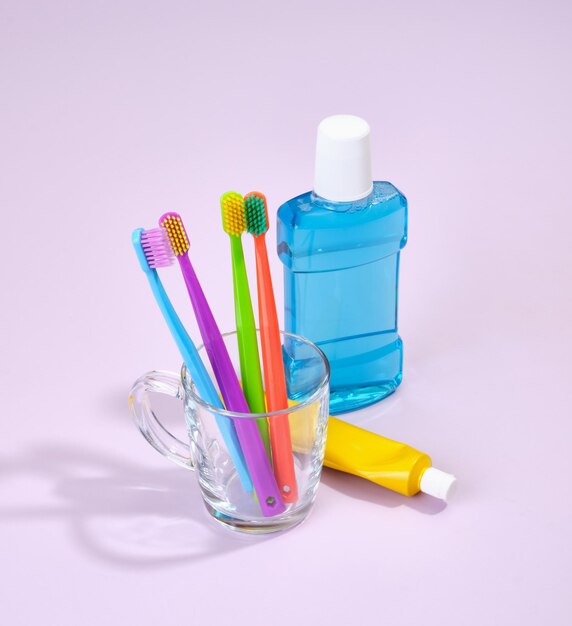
{"points": [[226, 499]]}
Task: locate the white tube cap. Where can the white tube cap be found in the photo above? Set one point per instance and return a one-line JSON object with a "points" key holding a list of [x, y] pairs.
{"points": [[343, 159], [438, 484]]}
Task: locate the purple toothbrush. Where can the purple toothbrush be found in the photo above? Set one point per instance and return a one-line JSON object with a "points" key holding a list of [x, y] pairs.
{"points": [[247, 431]]}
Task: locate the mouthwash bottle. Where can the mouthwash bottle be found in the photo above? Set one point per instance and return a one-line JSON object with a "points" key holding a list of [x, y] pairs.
{"points": [[340, 248]]}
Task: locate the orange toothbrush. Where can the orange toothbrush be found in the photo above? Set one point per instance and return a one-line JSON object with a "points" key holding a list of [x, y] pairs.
{"points": [[256, 214]]}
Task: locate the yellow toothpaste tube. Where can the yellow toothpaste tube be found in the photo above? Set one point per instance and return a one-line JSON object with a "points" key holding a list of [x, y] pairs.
{"points": [[388, 463], [385, 462]]}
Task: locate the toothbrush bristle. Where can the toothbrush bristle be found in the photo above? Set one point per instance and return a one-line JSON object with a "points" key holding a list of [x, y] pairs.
{"points": [[256, 213], [176, 232], [233, 220], [156, 248]]}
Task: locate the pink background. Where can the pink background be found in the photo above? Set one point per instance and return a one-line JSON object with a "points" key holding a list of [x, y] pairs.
{"points": [[112, 113]]}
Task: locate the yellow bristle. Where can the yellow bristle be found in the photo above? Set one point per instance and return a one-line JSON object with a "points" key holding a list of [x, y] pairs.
{"points": [[177, 235], [233, 220]]}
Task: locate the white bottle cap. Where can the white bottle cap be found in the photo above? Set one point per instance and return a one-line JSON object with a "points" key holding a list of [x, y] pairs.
{"points": [[438, 484], [343, 159]]}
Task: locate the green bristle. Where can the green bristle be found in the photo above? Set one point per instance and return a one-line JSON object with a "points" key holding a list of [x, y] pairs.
{"points": [[255, 213]]}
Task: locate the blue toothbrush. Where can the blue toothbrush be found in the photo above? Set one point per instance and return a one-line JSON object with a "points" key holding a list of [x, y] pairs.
{"points": [[153, 251]]}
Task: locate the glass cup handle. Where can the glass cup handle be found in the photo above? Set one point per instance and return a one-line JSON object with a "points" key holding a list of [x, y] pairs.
{"points": [[148, 422]]}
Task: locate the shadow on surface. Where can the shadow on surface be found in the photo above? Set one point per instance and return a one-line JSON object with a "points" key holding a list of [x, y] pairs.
{"points": [[124, 514], [360, 489]]}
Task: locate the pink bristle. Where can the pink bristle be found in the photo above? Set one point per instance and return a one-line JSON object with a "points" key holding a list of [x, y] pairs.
{"points": [[157, 248]]}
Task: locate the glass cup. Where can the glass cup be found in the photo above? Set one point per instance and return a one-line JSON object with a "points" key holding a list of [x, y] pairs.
{"points": [[223, 488]]}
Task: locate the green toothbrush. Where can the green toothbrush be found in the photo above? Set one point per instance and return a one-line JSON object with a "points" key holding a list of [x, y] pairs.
{"points": [[234, 224]]}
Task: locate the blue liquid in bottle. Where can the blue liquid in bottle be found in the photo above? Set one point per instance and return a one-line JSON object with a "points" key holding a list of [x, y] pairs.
{"points": [[341, 266]]}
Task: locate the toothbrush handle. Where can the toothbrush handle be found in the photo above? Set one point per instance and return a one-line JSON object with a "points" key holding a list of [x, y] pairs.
{"points": [[271, 501], [214, 343], [276, 393], [200, 376], [247, 341]]}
